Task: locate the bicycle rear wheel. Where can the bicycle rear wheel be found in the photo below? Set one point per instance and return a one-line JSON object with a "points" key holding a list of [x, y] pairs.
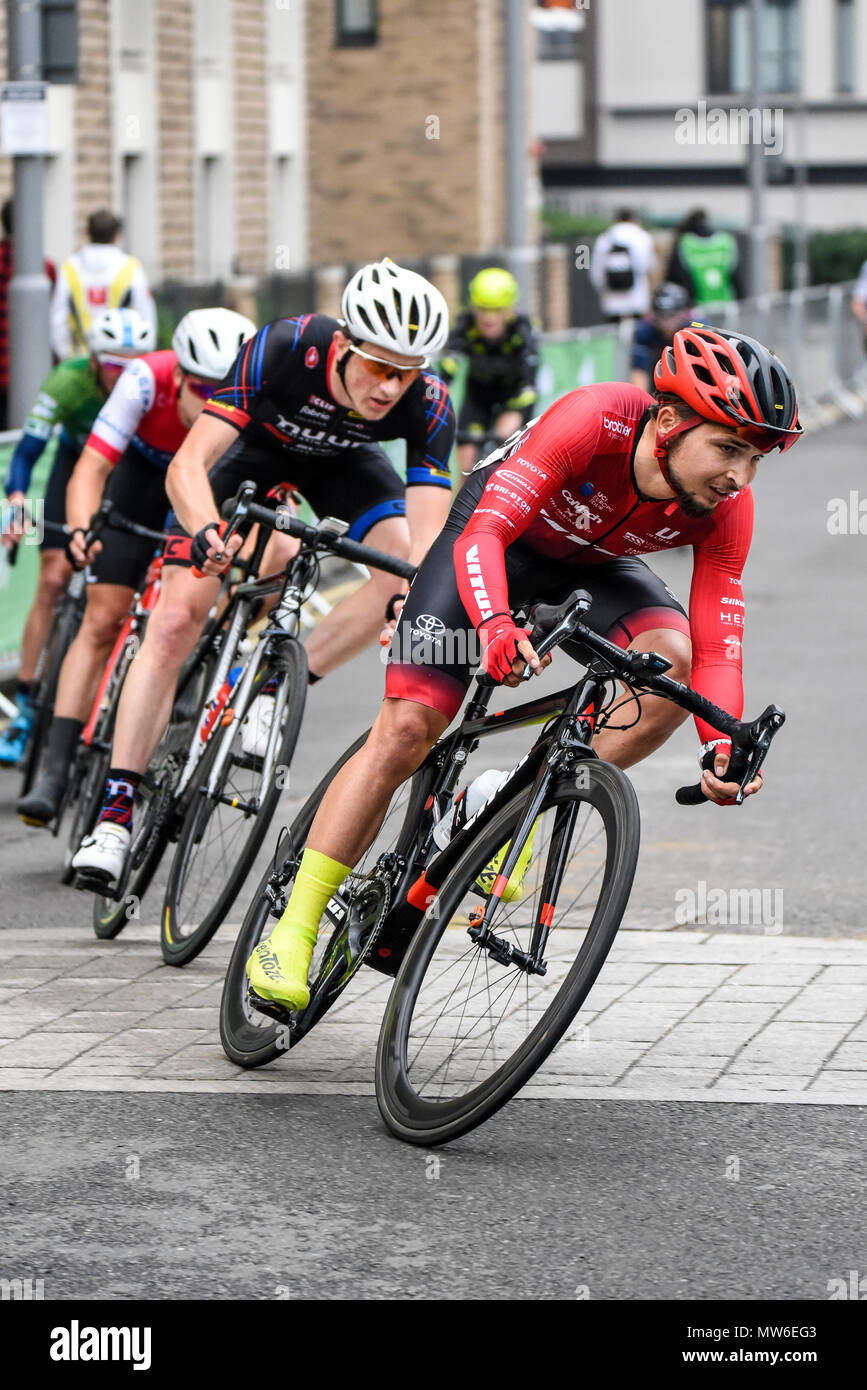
{"points": [[465, 1029], [222, 835], [249, 1038]]}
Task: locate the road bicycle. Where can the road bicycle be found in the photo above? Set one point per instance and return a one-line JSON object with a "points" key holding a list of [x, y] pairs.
{"points": [[219, 771], [86, 787], [495, 940]]}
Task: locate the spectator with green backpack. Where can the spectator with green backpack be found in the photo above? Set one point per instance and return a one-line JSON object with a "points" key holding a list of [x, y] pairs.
{"points": [[704, 261]]}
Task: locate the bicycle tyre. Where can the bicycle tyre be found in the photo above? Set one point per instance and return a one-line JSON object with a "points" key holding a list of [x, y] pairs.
{"points": [[246, 1041], [419, 1121], [110, 915], [178, 949]]}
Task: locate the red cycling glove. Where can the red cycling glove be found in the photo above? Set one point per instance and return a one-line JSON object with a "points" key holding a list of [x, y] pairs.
{"points": [[499, 638]]}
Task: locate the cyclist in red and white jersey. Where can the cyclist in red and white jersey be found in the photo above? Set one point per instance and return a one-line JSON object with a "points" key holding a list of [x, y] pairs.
{"points": [[132, 442], [608, 474]]}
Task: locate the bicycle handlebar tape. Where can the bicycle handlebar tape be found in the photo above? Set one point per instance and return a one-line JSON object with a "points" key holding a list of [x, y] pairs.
{"points": [[694, 796]]}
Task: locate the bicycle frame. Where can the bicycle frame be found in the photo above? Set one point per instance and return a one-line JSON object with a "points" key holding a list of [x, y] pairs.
{"points": [[142, 604], [284, 625]]}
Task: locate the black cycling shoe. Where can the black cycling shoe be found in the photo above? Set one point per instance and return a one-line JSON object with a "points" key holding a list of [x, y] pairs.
{"points": [[42, 805]]}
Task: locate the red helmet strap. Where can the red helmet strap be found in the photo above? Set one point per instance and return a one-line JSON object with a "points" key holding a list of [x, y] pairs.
{"points": [[660, 450]]}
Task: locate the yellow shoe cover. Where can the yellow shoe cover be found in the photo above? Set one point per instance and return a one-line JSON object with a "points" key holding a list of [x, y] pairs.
{"points": [[282, 975], [514, 890]]}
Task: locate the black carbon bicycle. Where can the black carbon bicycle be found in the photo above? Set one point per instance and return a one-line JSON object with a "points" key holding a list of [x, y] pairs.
{"points": [[217, 776], [495, 940]]}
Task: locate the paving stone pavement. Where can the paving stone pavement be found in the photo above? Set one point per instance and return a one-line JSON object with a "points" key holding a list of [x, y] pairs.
{"points": [[685, 1015]]}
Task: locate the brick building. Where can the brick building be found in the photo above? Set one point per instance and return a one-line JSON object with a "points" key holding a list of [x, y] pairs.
{"points": [[246, 138]]}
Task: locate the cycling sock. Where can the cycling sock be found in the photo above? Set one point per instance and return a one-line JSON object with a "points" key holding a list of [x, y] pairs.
{"points": [[120, 786], [23, 689], [317, 880], [311, 679], [62, 739]]}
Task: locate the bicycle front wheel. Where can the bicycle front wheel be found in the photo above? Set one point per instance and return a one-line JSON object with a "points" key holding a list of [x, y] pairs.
{"points": [[466, 1026], [223, 831]]}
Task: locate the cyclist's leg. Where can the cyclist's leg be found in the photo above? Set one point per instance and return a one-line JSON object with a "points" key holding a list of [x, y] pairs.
{"points": [[475, 417], [172, 630], [116, 574], [634, 608], [508, 421], [430, 668]]}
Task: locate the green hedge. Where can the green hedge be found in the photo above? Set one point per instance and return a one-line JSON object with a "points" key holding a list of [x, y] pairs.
{"points": [[831, 256]]}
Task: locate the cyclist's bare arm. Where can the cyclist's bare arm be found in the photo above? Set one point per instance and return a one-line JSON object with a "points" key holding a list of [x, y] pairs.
{"points": [[83, 496], [187, 477], [426, 512]]}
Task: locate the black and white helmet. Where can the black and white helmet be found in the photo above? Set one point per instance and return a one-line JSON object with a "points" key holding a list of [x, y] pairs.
{"points": [[395, 308], [121, 332], [207, 341]]}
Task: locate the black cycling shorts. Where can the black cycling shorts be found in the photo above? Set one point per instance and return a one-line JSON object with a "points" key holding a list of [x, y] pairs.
{"points": [[360, 487], [54, 504], [435, 648], [138, 490], [481, 411]]}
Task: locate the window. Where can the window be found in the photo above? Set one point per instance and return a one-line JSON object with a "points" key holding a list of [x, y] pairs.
{"points": [[558, 25], [845, 46], [357, 23], [728, 30]]}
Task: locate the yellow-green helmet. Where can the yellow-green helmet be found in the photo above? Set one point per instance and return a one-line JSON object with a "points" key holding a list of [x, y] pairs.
{"points": [[493, 288]]}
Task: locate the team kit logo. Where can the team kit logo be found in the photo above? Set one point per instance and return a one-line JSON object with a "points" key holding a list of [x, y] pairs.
{"points": [[429, 627]]}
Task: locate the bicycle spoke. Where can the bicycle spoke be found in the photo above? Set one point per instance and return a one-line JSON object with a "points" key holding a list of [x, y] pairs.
{"points": [[472, 1011]]}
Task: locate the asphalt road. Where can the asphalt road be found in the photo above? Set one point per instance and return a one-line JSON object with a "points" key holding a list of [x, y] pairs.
{"points": [[195, 1196]]}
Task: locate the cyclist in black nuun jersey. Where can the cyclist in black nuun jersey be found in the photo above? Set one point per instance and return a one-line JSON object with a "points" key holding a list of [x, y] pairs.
{"points": [[306, 402], [502, 352]]}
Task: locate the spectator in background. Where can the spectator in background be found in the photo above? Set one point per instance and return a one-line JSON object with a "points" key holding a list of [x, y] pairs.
{"points": [[669, 311], [623, 257], [502, 351], [859, 301], [705, 262], [6, 270], [97, 277]]}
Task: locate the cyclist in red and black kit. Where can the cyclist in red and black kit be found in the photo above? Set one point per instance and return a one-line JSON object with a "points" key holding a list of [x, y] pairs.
{"points": [[131, 444], [608, 474], [306, 403]]}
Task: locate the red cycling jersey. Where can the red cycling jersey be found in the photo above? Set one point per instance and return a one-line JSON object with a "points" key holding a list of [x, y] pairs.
{"points": [[142, 412], [567, 489]]}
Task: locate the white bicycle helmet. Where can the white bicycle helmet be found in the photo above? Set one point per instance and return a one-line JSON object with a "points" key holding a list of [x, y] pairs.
{"points": [[207, 341], [121, 331], [395, 308]]}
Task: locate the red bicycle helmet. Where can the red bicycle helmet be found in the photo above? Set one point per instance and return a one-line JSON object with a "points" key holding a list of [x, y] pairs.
{"points": [[732, 379]]}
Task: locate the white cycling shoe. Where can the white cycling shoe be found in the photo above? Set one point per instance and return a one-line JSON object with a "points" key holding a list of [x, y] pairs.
{"points": [[256, 728], [102, 855]]}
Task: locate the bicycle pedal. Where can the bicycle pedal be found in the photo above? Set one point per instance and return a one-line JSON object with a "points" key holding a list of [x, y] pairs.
{"points": [[270, 1007], [95, 881]]}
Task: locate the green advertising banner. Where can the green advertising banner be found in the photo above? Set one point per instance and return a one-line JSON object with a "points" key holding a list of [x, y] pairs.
{"points": [[18, 582]]}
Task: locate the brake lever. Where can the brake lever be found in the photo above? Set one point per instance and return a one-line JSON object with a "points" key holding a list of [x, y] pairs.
{"points": [[762, 732], [565, 628]]}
